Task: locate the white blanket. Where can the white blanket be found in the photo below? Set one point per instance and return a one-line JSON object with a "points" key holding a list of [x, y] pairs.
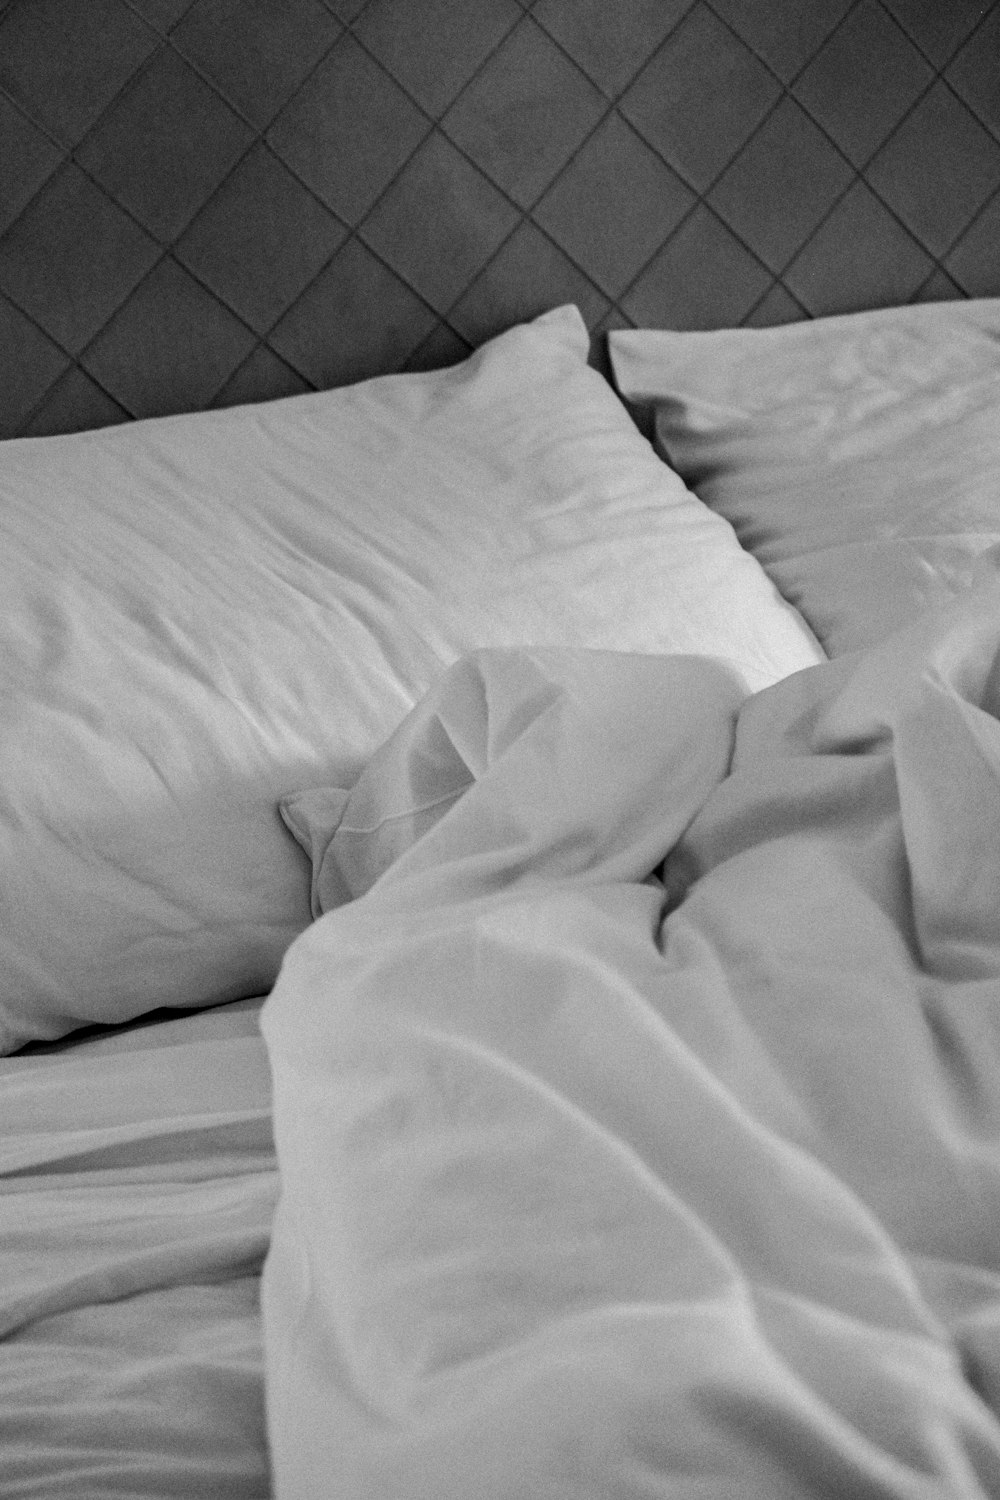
{"points": [[598, 1182], [137, 1184]]}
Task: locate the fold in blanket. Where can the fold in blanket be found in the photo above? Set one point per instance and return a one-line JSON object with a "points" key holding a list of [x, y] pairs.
{"points": [[137, 1184], [638, 1099]]}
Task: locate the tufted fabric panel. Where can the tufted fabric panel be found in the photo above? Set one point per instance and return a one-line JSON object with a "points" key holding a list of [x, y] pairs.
{"points": [[212, 201]]}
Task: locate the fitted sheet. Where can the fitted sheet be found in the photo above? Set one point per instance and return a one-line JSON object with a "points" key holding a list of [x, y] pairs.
{"points": [[638, 1120], [137, 1184]]}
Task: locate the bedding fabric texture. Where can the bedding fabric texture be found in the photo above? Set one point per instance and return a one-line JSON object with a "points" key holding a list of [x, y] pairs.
{"points": [[856, 456], [638, 1119], [137, 1185], [200, 613]]}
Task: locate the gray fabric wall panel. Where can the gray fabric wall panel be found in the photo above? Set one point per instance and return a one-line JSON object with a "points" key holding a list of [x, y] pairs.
{"points": [[209, 201]]}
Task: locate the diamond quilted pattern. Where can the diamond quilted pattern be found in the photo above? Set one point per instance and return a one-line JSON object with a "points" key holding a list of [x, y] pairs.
{"points": [[40, 258], [859, 257], [27, 159], [524, 115], [210, 201], [29, 363], [863, 80], [65, 62], [975, 73], [166, 147], [439, 257], [699, 98], [613, 206], [261, 377], [786, 40], [973, 260], [167, 313], [433, 47], [702, 278], [779, 306], [781, 186], [938, 169], [74, 404], [937, 26], [239, 245], [530, 258], [441, 347], [939, 287], [609, 42], [348, 131], [355, 285], [254, 51]]}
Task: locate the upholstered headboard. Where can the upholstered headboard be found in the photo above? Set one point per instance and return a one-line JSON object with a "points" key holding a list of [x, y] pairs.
{"points": [[212, 201]]}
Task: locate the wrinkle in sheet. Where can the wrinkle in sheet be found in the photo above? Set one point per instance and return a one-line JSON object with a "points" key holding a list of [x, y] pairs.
{"points": [[606, 1189], [137, 1188]]}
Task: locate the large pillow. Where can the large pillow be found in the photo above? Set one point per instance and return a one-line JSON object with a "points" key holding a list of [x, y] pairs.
{"points": [[858, 457], [203, 613]]}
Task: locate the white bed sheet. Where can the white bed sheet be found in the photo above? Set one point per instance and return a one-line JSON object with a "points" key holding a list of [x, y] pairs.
{"points": [[138, 1186], [597, 1186]]}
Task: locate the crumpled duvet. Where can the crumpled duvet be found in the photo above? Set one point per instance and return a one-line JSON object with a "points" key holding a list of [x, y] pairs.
{"points": [[637, 1100], [137, 1184]]}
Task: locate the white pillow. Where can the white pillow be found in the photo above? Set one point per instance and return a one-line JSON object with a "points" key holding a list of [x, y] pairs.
{"points": [[857, 457], [203, 613]]}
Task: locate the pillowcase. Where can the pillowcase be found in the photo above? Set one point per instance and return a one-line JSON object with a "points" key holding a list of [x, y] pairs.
{"points": [[857, 457], [202, 613]]}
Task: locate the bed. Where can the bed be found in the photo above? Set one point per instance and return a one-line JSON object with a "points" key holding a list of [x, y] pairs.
{"points": [[500, 561]]}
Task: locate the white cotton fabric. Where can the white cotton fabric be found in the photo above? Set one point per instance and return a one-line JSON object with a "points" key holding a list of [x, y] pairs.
{"points": [[202, 613], [603, 1176], [137, 1184], [856, 456]]}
